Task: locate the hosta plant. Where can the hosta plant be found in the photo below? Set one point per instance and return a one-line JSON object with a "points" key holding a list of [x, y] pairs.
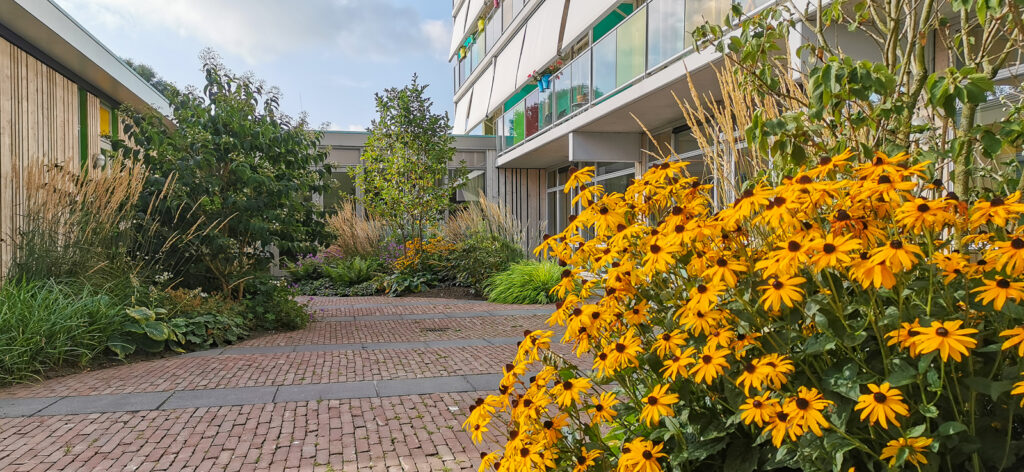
{"points": [[854, 316]]}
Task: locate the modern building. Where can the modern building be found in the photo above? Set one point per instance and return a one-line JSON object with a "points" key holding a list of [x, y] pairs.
{"points": [[615, 59], [59, 93]]}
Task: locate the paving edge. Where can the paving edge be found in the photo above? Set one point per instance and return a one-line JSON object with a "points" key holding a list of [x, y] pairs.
{"points": [[219, 397], [432, 316]]}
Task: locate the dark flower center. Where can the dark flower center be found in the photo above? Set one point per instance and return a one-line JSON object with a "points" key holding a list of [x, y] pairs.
{"points": [[924, 208], [525, 452], [655, 248], [603, 356], [1017, 243], [647, 455], [706, 358], [802, 403], [679, 229], [880, 397], [824, 161], [782, 417], [884, 180], [778, 285], [896, 244], [912, 332], [620, 348], [677, 210], [829, 248], [652, 400], [864, 256], [702, 289], [721, 262], [997, 202], [779, 201], [599, 408], [527, 403], [603, 211], [941, 331], [666, 337], [843, 215], [581, 460], [756, 404], [803, 180], [750, 368], [567, 385], [1003, 283], [566, 274], [879, 161], [793, 246]]}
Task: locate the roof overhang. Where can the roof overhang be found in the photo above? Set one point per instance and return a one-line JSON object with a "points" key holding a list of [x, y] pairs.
{"points": [[73, 51]]}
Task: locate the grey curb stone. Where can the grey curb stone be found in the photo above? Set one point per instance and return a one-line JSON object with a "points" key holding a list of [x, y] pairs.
{"points": [[396, 388], [105, 403], [219, 397], [17, 407], [330, 391]]}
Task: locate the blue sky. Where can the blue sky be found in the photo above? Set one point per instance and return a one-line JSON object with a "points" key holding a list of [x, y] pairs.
{"points": [[327, 56]]}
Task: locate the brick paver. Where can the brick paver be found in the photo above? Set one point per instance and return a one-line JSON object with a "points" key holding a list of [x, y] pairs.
{"points": [[399, 331], [405, 433]]}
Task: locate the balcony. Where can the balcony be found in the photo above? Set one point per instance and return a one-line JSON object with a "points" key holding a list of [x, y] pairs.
{"points": [[652, 37]]}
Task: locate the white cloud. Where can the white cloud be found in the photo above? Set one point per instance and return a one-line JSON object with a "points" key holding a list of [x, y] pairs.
{"points": [[334, 127], [261, 30]]}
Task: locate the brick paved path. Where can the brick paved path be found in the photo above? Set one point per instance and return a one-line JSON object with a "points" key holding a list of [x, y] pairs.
{"points": [[374, 384]]}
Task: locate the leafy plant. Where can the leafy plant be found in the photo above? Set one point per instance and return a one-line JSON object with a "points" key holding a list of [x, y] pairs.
{"points": [[405, 177], [475, 260], [524, 282], [209, 329], [148, 329], [400, 283], [269, 305], [245, 173], [46, 325], [350, 271]]}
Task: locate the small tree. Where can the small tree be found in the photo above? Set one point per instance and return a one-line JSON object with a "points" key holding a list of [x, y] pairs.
{"points": [[245, 176], [404, 177]]}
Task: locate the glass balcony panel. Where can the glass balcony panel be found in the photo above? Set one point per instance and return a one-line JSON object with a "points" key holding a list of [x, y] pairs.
{"points": [[546, 108], [603, 76], [666, 36], [506, 15], [699, 11], [532, 109], [509, 128], [478, 49], [493, 31], [519, 122], [562, 86], [580, 81], [631, 48]]}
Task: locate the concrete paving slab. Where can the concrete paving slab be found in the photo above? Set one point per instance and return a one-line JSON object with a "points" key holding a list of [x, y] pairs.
{"points": [[328, 347], [105, 403], [329, 391], [241, 351], [484, 381], [457, 343], [394, 388], [408, 345], [18, 407], [206, 353], [219, 397], [503, 341]]}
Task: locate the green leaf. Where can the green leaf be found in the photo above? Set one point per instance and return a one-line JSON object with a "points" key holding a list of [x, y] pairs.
{"points": [[156, 330], [929, 411], [950, 428], [916, 430]]}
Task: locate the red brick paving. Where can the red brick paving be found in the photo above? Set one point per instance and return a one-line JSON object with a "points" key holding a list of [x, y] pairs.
{"points": [[346, 332], [410, 433], [414, 433], [258, 370]]}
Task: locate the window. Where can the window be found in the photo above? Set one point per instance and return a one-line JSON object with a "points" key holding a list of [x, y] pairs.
{"points": [[340, 187], [106, 121]]}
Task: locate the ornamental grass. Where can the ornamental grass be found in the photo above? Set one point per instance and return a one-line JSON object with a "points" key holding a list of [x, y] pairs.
{"points": [[853, 317]]}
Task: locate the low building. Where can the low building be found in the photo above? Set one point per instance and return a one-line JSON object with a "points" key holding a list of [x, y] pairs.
{"points": [[60, 89]]}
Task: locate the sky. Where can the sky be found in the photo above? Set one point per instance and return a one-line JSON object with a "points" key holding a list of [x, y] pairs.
{"points": [[328, 57]]}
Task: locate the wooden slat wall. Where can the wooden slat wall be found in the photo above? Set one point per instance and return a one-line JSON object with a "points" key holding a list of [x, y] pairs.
{"points": [[523, 190], [38, 125], [94, 127]]}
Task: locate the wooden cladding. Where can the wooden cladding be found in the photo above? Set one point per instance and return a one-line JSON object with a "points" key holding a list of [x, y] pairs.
{"points": [[39, 126], [524, 191]]}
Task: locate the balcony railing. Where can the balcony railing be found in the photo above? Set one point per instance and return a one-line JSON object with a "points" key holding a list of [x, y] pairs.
{"points": [[654, 35]]}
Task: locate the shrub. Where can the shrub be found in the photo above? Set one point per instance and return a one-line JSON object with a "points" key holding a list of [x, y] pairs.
{"points": [[269, 305], [201, 320], [853, 317], [355, 233], [524, 282], [45, 325], [476, 259]]}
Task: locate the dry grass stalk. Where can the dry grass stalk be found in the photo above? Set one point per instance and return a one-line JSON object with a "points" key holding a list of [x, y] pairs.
{"points": [[718, 125], [356, 233], [486, 216]]}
